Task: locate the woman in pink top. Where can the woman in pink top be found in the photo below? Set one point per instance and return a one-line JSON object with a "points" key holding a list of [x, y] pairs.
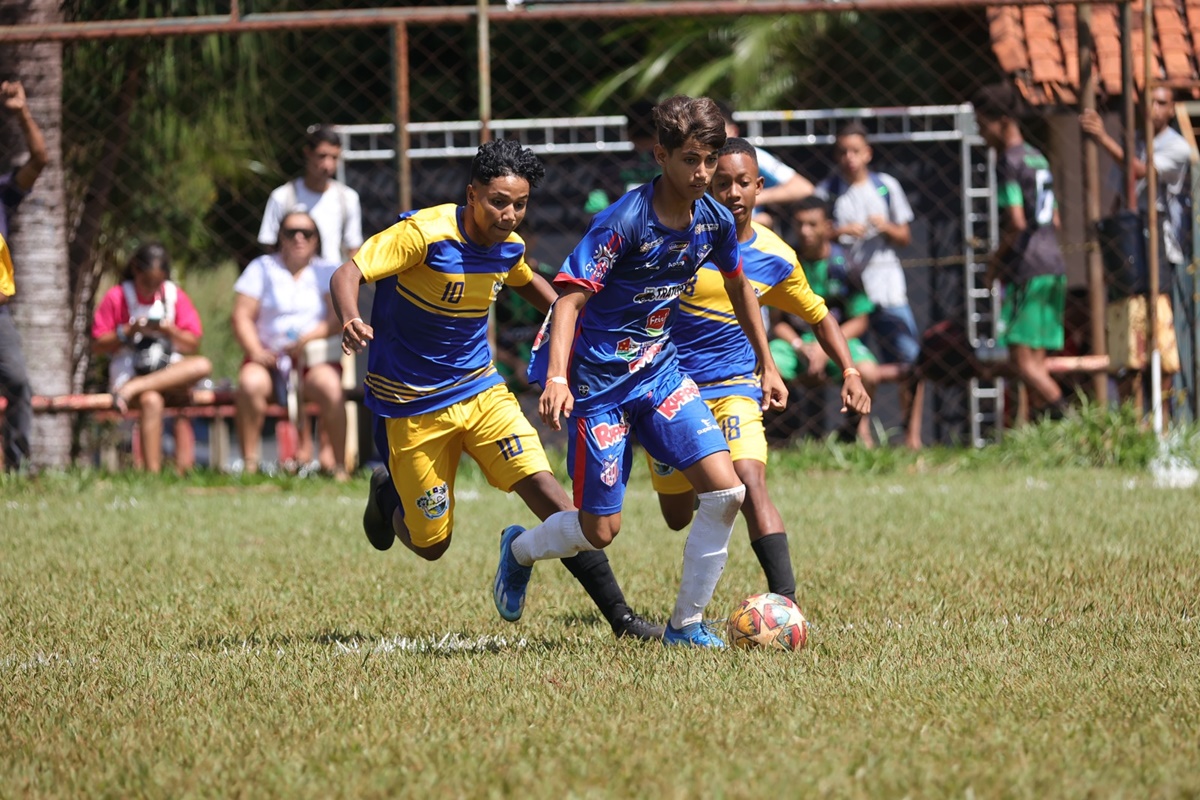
{"points": [[152, 331]]}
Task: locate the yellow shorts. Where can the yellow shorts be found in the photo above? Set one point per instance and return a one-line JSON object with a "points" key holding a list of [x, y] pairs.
{"points": [[741, 421], [423, 455]]}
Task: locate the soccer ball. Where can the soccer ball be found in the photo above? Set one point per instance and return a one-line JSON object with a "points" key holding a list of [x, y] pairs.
{"points": [[768, 620]]}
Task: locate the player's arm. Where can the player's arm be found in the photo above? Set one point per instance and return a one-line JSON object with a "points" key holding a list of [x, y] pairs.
{"points": [[538, 293], [556, 397], [854, 394], [343, 291], [749, 316]]}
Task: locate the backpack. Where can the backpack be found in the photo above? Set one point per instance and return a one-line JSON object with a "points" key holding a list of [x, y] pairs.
{"points": [[835, 187]]}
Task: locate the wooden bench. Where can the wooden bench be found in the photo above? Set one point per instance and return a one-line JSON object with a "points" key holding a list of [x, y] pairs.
{"points": [[216, 405]]}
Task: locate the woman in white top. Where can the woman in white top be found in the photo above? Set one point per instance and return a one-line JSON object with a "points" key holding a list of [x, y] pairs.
{"points": [[281, 305]]}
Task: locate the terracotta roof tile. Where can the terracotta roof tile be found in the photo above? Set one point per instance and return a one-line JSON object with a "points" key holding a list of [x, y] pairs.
{"points": [[1038, 46]]}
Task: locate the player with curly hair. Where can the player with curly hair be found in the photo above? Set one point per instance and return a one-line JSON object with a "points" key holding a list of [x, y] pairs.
{"points": [[430, 378]]}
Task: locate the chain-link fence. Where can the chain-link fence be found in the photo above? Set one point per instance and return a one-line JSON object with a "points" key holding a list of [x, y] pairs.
{"points": [[177, 130]]}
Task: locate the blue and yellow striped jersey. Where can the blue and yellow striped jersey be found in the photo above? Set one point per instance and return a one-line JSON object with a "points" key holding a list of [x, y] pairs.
{"points": [[434, 289], [713, 350]]}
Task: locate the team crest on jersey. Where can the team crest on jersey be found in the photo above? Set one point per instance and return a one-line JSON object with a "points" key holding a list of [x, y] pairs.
{"points": [[660, 469], [686, 393], [607, 435], [610, 472], [602, 261], [656, 294], [657, 322], [628, 349], [435, 502]]}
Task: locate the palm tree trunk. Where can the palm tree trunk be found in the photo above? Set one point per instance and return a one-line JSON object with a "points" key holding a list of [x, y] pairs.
{"points": [[38, 231]]}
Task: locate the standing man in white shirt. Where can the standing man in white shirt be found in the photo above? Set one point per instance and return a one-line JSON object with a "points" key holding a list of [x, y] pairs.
{"points": [[333, 205]]}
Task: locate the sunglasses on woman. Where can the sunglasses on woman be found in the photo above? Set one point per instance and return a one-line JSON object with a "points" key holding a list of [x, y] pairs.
{"points": [[292, 233]]}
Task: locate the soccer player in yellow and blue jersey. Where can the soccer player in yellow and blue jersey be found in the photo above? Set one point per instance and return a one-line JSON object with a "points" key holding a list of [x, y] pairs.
{"points": [[714, 351], [430, 378]]}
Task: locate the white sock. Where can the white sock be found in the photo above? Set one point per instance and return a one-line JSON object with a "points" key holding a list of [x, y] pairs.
{"points": [[705, 552], [560, 536]]}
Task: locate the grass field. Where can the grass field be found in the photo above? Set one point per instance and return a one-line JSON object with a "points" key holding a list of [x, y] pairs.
{"points": [[982, 630]]}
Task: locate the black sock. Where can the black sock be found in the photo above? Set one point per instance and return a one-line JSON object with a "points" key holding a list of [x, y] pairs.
{"points": [[594, 573], [388, 498], [772, 552]]}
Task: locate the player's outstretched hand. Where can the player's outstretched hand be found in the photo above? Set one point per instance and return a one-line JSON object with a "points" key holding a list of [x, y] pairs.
{"points": [[555, 400], [355, 336], [854, 395], [775, 393]]}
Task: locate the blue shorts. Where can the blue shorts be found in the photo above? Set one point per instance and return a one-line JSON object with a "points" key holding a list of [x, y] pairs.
{"points": [[670, 421], [894, 329]]}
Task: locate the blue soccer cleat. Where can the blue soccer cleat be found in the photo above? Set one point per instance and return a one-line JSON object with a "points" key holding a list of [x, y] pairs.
{"points": [[511, 577], [698, 634]]}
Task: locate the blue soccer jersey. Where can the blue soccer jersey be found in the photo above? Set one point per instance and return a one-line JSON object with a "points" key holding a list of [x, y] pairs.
{"points": [[713, 349], [434, 289], [638, 268]]}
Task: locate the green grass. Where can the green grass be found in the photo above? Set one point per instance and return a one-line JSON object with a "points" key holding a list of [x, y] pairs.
{"points": [[977, 629]]}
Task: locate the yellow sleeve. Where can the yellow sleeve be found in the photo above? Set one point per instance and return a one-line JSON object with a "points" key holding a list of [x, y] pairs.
{"points": [[519, 275], [392, 251], [7, 284], [795, 296]]}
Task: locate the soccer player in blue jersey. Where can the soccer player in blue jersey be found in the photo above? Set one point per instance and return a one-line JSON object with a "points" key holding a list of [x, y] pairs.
{"points": [[609, 364], [430, 378], [714, 352]]}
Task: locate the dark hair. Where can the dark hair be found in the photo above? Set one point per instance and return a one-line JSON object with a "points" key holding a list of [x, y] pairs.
{"points": [[726, 110], [997, 100], [146, 256], [852, 128], [318, 134], [501, 157], [302, 210], [737, 145], [680, 118], [812, 203], [640, 120]]}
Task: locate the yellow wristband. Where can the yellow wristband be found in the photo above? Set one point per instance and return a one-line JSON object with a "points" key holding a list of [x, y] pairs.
{"points": [[350, 322], [846, 373]]}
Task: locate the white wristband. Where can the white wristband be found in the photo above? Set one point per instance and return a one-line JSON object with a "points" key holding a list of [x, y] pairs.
{"points": [[557, 379], [350, 322]]}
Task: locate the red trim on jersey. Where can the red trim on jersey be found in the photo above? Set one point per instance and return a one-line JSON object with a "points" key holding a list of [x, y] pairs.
{"points": [[735, 272], [579, 473], [591, 286]]}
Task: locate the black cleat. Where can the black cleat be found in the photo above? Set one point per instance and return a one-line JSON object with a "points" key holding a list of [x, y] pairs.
{"points": [[376, 522], [634, 627]]}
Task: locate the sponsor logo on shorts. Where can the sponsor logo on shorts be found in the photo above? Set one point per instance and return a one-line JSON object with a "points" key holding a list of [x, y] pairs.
{"points": [[656, 294], [656, 322], [435, 502], [686, 393], [602, 261], [660, 469], [646, 247], [705, 227], [607, 434], [610, 472], [709, 425]]}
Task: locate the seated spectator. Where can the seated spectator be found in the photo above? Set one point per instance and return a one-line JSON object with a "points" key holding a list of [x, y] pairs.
{"points": [[152, 331], [795, 345], [282, 316]]}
